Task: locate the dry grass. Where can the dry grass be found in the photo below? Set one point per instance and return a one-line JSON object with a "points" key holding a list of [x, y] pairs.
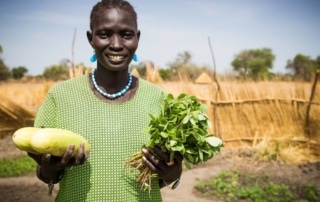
{"points": [[29, 94], [268, 116]]}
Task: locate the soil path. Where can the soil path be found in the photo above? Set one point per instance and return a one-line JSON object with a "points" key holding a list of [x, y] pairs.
{"points": [[29, 189]]}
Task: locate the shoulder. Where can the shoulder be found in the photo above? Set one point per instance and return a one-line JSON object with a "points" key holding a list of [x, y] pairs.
{"points": [[149, 86], [150, 93], [73, 83]]}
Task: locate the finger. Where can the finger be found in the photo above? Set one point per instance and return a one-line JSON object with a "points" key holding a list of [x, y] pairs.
{"points": [[67, 155], [150, 157], [80, 154], [32, 155], [170, 163], [165, 156], [35, 157], [86, 156], [45, 160], [149, 164], [178, 156]]}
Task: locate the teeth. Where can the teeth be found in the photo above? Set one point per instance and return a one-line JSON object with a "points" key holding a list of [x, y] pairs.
{"points": [[115, 57]]}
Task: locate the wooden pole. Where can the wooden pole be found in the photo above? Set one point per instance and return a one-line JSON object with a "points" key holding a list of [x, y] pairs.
{"points": [[313, 89], [72, 53], [215, 107]]}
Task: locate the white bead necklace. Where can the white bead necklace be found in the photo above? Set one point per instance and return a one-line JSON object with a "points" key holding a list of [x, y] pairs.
{"points": [[114, 95]]}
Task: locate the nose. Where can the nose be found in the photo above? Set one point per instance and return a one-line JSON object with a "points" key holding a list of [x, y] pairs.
{"points": [[115, 42]]}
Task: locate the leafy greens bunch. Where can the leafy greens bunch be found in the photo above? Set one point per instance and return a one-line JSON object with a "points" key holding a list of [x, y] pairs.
{"points": [[181, 127]]}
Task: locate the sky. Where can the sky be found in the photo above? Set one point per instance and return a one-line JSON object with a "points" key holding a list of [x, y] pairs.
{"points": [[38, 33]]}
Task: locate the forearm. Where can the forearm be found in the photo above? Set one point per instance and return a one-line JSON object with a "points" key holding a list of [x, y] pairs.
{"points": [[48, 176], [163, 183], [173, 178]]}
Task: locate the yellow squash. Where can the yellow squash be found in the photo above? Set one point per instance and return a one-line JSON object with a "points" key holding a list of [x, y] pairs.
{"points": [[55, 141], [21, 138]]}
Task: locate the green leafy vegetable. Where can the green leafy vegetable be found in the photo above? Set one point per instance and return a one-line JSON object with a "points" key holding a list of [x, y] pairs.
{"points": [[181, 127]]}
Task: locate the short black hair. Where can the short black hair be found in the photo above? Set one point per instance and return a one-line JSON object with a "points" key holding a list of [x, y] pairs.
{"points": [[106, 4]]}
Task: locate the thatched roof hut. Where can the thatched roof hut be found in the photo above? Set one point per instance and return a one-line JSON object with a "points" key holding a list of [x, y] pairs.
{"points": [[135, 73], [204, 78]]}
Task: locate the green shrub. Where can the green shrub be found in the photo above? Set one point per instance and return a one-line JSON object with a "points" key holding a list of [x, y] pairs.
{"points": [[16, 167], [236, 186]]}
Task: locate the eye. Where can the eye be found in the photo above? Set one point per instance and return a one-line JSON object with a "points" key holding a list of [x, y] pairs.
{"points": [[127, 35], [103, 34]]}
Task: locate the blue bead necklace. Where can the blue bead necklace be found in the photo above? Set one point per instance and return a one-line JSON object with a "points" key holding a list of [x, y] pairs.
{"points": [[115, 95]]}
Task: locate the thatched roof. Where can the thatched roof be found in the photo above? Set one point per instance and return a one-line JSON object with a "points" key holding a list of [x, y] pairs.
{"points": [[135, 73], [204, 78], [152, 73], [13, 116]]}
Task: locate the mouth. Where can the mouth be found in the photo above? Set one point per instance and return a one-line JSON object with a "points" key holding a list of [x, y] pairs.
{"points": [[116, 58]]}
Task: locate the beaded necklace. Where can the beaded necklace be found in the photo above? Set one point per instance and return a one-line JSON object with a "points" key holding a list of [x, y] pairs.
{"points": [[115, 95]]}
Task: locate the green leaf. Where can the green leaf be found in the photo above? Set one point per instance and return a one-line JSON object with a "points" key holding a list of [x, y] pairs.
{"points": [[200, 155], [187, 164], [179, 147], [189, 158], [196, 159], [193, 122], [173, 143], [164, 134], [186, 119], [214, 141], [182, 95], [191, 150], [202, 117]]}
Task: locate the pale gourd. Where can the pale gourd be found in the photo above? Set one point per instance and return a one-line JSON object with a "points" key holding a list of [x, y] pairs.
{"points": [[21, 138], [52, 141], [55, 141]]}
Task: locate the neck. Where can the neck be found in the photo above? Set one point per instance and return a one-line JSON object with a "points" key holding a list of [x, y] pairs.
{"points": [[111, 94], [111, 81]]}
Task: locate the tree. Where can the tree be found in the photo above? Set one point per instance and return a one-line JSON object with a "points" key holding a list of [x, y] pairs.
{"points": [[4, 70], [56, 72], [181, 60], [254, 63], [166, 74], [316, 64], [18, 72], [301, 66], [182, 67]]}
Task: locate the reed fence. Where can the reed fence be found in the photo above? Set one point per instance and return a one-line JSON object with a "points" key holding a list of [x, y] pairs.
{"points": [[300, 117], [241, 113]]}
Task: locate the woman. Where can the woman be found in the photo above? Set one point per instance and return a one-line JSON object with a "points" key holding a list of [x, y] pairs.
{"points": [[109, 107]]}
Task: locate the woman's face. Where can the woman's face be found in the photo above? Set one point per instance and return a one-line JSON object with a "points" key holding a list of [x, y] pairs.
{"points": [[115, 38]]}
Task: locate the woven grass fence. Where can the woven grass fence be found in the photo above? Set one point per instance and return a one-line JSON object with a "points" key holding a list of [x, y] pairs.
{"points": [[241, 113]]}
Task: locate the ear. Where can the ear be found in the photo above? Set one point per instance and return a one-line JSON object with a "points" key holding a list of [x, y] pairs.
{"points": [[89, 37], [138, 35]]}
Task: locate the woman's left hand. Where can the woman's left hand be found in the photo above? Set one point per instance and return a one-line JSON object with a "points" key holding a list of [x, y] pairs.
{"points": [[159, 162]]}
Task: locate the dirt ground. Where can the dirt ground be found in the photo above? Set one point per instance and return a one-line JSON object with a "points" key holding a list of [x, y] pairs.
{"points": [[29, 189]]}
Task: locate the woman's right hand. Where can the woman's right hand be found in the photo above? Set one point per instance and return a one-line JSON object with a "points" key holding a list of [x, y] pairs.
{"points": [[50, 163]]}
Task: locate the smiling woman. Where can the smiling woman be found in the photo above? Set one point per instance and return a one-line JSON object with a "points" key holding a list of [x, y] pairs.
{"points": [[114, 37], [109, 108]]}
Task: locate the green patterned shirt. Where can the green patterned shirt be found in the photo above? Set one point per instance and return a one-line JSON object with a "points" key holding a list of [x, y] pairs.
{"points": [[114, 132]]}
